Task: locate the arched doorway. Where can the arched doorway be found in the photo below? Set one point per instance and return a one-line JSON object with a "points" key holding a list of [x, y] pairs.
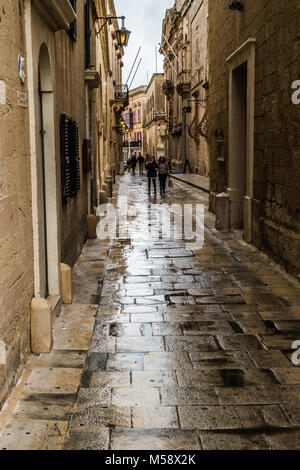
{"points": [[47, 181]]}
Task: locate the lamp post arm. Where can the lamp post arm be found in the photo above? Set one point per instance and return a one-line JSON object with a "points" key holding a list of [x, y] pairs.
{"points": [[106, 18], [198, 101], [104, 24]]}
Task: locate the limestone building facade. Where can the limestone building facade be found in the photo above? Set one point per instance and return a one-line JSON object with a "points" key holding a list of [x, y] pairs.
{"points": [[134, 140], [61, 98], [16, 235], [155, 116], [185, 48], [254, 123], [113, 96]]}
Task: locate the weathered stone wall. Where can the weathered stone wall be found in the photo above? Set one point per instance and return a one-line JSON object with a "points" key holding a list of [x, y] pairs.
{"points": [[276, 201], [197, 147], [71, 99], [137, 101], [188, 37], [159, 96], [153, 124], [16, 250]]}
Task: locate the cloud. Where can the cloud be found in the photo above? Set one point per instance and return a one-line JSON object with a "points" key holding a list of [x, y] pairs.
{"points": [[144, 18]]}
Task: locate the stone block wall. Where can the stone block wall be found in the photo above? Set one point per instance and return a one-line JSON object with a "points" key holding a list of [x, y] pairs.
{"points": [[16, 250], [276, 201], [71, 99]]}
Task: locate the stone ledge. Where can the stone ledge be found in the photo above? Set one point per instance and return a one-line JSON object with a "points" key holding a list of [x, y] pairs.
{"points": [[59, 14]]}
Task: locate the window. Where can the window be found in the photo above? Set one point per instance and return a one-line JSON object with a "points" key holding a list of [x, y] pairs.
{"points": [[73, 26], [87, 34], [139, 115], [134, 117], [69, 158], [131, 120]]}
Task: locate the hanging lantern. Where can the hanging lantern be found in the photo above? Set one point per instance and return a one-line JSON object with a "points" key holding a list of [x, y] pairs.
{"points": [[187, 109], [123, 34]]}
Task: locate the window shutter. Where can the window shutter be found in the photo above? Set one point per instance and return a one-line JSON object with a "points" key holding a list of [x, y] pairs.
{"points": [[74, 160], [73, 26], [70, 158], [64, 158], [87, 34]]}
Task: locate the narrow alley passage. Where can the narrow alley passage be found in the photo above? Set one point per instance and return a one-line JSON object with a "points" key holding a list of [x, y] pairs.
{"points": [[190, 349]]}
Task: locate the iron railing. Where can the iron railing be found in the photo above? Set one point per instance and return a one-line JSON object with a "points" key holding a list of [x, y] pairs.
{"points": [[133, 144], [122, 93]]}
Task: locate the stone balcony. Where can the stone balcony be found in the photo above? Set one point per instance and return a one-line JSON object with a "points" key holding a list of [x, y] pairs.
{"points": [[176, 128], [183, 85], [168, 87], [121, 98], [92, 78], [59, 14]]}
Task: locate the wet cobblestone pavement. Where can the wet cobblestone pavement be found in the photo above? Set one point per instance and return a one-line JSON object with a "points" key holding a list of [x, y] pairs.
{"points": [[191, 349]]}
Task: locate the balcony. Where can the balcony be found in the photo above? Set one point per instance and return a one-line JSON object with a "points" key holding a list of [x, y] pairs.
{"points": [[184, 83], [177, 128], [122, 95], [159, 116], [168, 87], [92, 78], [59, 14], [133, 144]]}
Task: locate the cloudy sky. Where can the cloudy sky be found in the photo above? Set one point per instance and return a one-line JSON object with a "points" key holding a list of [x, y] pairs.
{"points": [[144, 18]]}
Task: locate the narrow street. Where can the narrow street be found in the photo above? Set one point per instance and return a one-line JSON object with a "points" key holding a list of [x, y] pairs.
{"points": [[189, 350]]}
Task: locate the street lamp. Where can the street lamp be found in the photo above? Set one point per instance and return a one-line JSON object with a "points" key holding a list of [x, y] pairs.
{"points": [[122, 34], [187, 109], [237, 6]]}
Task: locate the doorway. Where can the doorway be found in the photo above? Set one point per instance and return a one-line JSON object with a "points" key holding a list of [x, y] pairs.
{"points": [[44, 285], [49, 284], [241, 136], [238, 143]]}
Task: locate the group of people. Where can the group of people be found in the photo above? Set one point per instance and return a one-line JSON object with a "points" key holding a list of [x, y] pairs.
{"points": [[133, 161], [160, 169]]}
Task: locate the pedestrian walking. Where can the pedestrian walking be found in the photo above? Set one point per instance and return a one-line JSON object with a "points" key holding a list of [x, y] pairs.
{"points": [[163, 173], [141, 161], [127, 165], [151, 167], [133, 163]]}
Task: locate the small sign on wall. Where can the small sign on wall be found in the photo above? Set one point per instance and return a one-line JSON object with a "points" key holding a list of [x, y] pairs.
{"points": [[21, 67], [2, 353], [2, 92], [22, 99]]}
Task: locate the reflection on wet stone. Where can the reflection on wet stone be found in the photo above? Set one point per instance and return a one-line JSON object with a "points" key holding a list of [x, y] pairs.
{"points": [[190, 349]]}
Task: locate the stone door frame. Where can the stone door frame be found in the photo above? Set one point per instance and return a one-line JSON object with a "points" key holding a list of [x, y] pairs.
{"points": [[40, 58], [244, 54]]}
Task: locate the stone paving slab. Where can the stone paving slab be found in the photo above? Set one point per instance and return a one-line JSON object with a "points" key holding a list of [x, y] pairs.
{"points": [[49, 380], [154, 418], [152, 439], [238, 440], [31, 434], [209, 417]]}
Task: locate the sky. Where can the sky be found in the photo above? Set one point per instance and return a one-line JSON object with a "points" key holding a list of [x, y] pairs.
{"points": [[144, 19]]}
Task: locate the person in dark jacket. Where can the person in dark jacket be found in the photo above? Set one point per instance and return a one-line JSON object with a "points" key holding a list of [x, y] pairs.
{"points": [[163, 172], [141, 161], [151, 167], [133, 163]]}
